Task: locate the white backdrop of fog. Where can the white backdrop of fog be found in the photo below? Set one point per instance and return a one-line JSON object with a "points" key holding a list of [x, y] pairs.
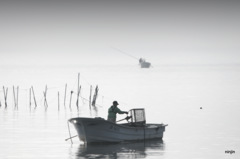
{"points": [[82, 32], [192, 45]]}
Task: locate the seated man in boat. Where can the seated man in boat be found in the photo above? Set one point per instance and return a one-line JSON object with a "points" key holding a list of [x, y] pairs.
{"points": [[141, 60], [113, 110]]}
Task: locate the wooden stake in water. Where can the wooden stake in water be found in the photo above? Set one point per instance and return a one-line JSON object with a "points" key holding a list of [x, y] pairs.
{"points": [[34, 98], [5, 95], [30, 102], [94, 101], [70, 136], [90, 97], [58, 102], [14, 98], [17, 96], [70, 103], [65, 95], [95, 96], [78, 92], [45, 97]]}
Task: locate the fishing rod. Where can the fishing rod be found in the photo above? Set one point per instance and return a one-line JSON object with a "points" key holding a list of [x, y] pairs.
{"points": [[127, 118], [124, 53]]}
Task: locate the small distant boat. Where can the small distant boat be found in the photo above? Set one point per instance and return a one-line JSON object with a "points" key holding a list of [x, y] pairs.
{"points": [[99, 130], [143, 63]]}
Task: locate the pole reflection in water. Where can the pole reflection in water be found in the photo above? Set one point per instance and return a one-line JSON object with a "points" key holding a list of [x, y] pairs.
{"points": [[139, 149]]}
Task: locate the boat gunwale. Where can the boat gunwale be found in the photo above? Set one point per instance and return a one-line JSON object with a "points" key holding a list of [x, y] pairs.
{"points": [[124, 125]]}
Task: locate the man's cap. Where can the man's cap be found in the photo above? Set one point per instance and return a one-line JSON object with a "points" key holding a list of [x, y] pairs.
{"points": [[115, 102]]}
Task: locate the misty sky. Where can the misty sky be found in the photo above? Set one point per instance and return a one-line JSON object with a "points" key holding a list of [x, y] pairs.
{"points": [[56, 30]]}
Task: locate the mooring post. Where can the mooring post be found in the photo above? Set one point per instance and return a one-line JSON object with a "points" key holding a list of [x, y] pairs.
{"points": [[17, 97], [58, 102], [90, 97], [78, 92], [5, 95], [70, 107], [45, 97], [95, 96], [34, 98], [14, 98], [70, 136], [65, 96], [30, 102]]}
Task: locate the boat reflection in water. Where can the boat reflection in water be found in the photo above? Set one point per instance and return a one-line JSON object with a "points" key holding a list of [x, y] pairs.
{"points": [[122, 150]]}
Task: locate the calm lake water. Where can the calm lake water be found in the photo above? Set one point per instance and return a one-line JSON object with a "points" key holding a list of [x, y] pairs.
{"points": [[200, 104]]}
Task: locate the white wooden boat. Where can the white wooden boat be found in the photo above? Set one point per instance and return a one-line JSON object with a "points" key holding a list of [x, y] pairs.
{"points": [[97, 130]]}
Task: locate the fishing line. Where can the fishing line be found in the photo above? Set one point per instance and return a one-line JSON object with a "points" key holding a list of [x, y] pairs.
{"points": [[124, 53]]}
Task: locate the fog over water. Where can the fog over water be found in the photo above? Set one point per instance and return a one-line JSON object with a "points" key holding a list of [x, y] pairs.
{"points": [[193, 84], [50, 32]]}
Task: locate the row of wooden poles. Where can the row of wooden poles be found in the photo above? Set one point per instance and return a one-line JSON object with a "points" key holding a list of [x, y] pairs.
{"points": [[15, 96], [92, 100]]}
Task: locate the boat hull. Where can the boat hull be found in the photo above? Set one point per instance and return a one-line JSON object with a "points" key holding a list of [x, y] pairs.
{"points": [[97, 130], [145, 64]]}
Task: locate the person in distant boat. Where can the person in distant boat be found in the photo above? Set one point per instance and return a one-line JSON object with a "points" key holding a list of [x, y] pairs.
{"points": [[113, 110], [141, 60]]}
